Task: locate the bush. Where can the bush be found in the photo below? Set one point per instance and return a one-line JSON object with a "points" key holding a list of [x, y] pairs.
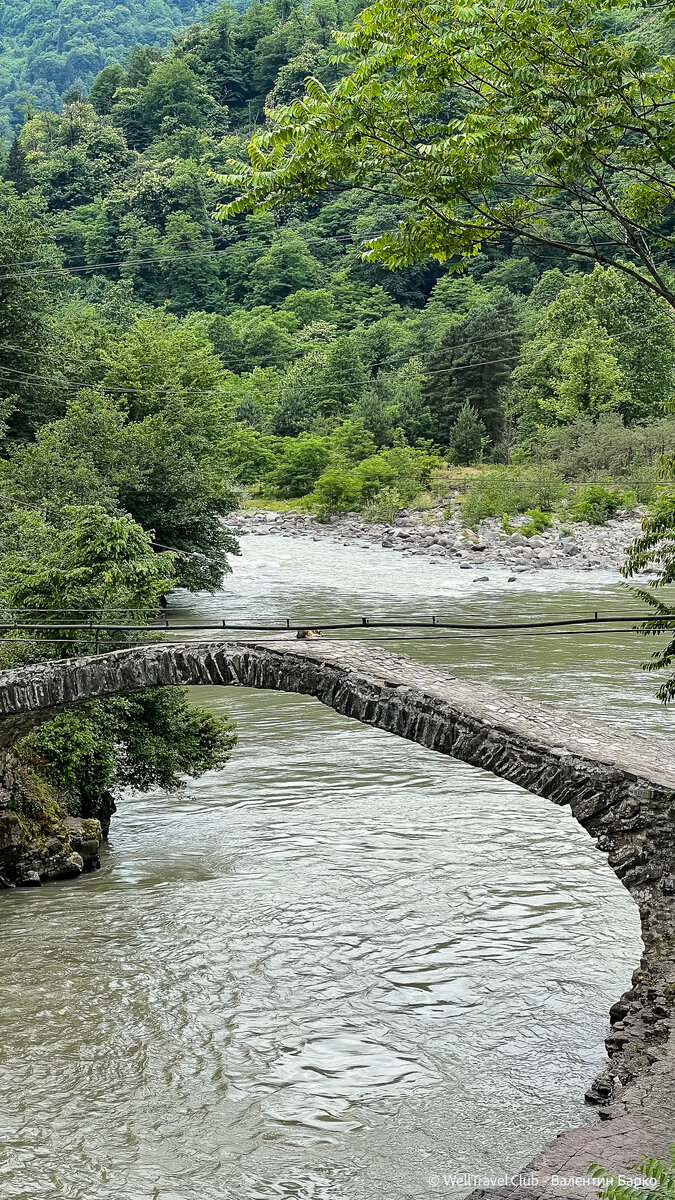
{"points": [[413, 470], [337, 492], [597, 503], [586, 448], [538, 522], [391, 479], [503, 492], [384, 507], [352, 441], [303, 461], [374, 474]]}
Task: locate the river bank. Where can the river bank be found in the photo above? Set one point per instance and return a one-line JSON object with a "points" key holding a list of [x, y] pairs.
{"points": [[37, 843], [39, 840], [574, 546], [348, 963]]}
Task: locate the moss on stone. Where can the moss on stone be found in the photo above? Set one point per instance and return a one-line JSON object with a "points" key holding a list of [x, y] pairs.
{"points": [[40, 810]]}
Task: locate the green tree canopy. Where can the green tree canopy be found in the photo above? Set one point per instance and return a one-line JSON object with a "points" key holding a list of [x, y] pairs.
{"points": [[522, 119], [468, 436], [92, 565], [26, 297], [472, 365], [285, 268], [602, 344], [150, 740]]}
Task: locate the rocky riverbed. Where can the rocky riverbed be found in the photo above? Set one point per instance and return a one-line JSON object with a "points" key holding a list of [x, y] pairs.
{"points": [[577, 546]]}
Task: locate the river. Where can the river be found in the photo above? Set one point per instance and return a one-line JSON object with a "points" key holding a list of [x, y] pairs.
{"points": [[344, 966]]}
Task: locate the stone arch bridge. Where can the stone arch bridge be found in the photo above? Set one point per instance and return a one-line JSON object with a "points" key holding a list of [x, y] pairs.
{"points": [[619, 786]]}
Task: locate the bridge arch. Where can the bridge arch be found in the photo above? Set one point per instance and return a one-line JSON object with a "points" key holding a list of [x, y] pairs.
{"points": [[619, 786], [546, 751]]}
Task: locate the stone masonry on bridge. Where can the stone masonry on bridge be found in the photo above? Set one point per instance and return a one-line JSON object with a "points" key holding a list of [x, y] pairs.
{"points": [[620, 787]]}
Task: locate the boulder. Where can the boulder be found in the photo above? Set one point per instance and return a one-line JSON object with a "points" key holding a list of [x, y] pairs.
{"points": [[10, 831], [86, 838]]}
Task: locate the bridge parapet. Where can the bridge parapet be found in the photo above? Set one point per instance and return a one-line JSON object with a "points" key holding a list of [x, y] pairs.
{"points": [[620, 786]]}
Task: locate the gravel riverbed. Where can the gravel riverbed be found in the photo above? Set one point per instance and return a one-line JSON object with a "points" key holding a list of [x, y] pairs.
{"points": [[578, 546]]}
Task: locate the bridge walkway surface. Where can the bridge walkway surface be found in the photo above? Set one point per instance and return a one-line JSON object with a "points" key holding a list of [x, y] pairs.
{"points": [[620, 786]]}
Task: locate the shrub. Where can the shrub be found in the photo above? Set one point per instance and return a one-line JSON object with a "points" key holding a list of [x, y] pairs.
{"points": [[412, 469], [302, 462], [503, 492], [352, 441], [597, 503], [337, 491], [152, 739], [538, 522], [384, 507], [382, 483], [374, 474], [585, 448]]}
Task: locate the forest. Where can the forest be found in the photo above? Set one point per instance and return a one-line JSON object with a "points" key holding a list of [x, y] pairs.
{"points": [[156, 362], [52, 46]]}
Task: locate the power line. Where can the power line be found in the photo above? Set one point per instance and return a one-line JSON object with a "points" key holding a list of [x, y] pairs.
{"points": [[97, 362], [346, 238], [486, 477], [365, 623], [483, 637], [500, 333], [105, 640], [281, 360], [81, 385], [218, 236], [323, 387]]}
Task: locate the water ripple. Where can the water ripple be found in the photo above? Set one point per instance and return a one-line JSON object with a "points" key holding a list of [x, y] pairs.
{"points": [[335, 967]]}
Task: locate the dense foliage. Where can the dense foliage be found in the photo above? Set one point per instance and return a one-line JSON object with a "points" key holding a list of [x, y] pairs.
{"points": [[150, 740], [97, 569], [655, 548], [155, 362], [531, 121], [48, 47], [274, 326]]}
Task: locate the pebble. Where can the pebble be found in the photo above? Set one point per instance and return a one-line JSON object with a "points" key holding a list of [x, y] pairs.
{"points": [[444, 540]]}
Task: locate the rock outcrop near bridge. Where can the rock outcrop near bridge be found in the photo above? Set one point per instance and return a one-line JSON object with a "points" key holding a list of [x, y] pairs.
{"points": [[620, 787]]}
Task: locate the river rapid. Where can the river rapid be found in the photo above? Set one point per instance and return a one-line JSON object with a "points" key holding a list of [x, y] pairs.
{"points": [[344, 966]]}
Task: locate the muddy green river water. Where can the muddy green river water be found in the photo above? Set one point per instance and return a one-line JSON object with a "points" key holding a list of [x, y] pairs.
{"points": [[344, 966]]}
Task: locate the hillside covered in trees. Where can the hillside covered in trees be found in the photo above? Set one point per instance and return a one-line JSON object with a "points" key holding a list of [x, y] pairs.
{"points": [[50, 46], [155, 361], [295, 334]]}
